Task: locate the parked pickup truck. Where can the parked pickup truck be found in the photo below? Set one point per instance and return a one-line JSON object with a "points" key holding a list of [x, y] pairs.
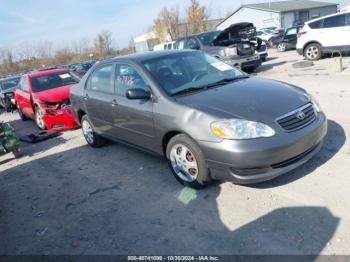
{"points": [[233, 46]]}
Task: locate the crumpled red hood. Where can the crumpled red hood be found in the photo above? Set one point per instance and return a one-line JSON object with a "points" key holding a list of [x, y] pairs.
{"points": [[54, 95]]}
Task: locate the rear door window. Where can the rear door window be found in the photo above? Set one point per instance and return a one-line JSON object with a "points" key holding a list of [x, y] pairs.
{"points": [[317, 24], [101, 79], [334, 21]]}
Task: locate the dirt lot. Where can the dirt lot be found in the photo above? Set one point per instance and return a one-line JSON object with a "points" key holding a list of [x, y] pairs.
{"points": [[67, 198]]}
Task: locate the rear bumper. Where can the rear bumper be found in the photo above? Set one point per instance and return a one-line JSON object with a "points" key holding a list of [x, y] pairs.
{"points": [[300, 51], [64, 121], [257, 160]]}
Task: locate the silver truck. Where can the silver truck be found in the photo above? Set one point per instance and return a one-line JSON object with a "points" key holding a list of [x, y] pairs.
{"points": [[236, 45]]}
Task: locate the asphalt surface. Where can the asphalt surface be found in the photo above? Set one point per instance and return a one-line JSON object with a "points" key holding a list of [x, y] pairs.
{"points": [[67, 198]]}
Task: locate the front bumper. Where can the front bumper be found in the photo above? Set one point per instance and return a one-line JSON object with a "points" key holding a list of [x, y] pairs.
{"points": [[244, 62], [61, 122], [257, 160], [300, 51]]}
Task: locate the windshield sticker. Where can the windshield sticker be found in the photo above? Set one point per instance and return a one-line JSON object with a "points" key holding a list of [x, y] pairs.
{"points": [[64, 76], [222, 66]]}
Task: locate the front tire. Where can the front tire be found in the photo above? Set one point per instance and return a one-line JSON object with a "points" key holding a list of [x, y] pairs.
{"points": [[187, 162], [313, 52], [39, 119], [93, 139]]}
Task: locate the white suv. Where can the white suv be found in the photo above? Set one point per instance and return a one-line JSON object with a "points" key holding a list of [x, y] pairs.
{"points": [[328, 34]]}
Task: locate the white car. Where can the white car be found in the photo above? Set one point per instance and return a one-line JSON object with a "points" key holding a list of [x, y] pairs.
{"points": [[266, 34], [164, 46], [328, 34]]}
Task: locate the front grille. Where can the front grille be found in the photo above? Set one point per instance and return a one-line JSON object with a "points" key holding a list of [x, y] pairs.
{"points": [[298, 118]]}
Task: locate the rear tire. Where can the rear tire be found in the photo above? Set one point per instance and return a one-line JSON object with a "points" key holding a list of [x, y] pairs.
{"points": [[187, 162], [313, 52], [281, 47], [93, 139]]}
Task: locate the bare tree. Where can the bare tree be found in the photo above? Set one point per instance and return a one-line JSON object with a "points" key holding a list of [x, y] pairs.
{"points": [[104, 43], [166, 24], [196, 15]]}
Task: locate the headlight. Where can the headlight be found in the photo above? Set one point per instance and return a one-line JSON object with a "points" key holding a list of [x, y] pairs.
{"points": [[228, 52], [241, 129], [316, 105]]}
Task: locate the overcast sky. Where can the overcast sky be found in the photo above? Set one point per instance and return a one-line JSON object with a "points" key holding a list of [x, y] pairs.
{"points": [[64, 21]]}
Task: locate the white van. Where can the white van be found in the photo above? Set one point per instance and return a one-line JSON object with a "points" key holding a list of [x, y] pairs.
{"points": [[327, 34], [164, 46]]}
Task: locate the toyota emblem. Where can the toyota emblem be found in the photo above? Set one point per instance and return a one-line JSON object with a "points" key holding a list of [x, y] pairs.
{"points": [[301, 115]]}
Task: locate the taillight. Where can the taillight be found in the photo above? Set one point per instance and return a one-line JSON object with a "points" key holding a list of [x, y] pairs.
{"points": [[302, 33]]}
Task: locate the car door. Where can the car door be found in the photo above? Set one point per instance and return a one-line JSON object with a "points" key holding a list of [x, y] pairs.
{"points": [[290, 37], [333, 32], [98, 97], [133, 119], [23, 97]]}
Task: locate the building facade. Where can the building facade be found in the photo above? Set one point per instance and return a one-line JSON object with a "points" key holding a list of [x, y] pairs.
{"points": [[281, 14]]}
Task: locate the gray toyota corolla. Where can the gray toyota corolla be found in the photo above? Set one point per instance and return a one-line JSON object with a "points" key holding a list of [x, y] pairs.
{"points": [[210, 120]]}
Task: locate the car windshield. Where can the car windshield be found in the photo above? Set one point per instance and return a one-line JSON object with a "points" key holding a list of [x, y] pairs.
{"points": [[9, 83], [190, 71], [207, 38], [46, 82]]}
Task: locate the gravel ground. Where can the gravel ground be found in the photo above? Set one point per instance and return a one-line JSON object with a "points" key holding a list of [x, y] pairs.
{"points": [[67, 198]]}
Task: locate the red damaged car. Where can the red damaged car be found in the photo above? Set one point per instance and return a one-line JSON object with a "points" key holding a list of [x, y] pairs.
{"points": [[44, 96]]}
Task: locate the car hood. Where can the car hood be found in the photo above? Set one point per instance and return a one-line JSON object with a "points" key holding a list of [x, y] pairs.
{"points": [[253, 98], [234, 31], [54, 95]]}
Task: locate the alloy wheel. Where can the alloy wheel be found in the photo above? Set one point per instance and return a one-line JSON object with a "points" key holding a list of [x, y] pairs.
{"points": [[184, 163], [312, 52], [39, 119], [88, 132]]}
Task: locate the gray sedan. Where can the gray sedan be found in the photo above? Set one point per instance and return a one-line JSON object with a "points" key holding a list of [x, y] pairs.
{"points": [[210, 120]]}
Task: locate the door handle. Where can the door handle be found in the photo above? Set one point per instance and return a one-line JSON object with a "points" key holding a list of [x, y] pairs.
{"points": [[114, 102]]}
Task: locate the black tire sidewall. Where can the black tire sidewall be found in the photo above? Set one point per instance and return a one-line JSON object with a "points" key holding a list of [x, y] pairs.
{"points": [[203, 177]]}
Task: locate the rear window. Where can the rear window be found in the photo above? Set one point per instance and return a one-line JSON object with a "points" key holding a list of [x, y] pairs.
{"points": [[46, 82], [317, 24]]}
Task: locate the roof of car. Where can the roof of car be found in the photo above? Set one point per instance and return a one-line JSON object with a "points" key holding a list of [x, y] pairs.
{"points": [[323, 17], [139, 57], [47, 72]]}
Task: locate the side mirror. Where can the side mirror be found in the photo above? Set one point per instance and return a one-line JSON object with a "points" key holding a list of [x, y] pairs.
{"points": [[194, 46], [138, 94]]}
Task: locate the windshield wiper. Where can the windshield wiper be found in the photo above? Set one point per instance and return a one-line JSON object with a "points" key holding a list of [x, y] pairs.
{"points": [[211, 85], [226, 81], [187, 90]]}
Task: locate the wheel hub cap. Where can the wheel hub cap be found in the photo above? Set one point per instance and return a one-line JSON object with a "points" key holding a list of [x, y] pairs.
{"points": [[184, 163], [312, 52], [87, 131]]}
